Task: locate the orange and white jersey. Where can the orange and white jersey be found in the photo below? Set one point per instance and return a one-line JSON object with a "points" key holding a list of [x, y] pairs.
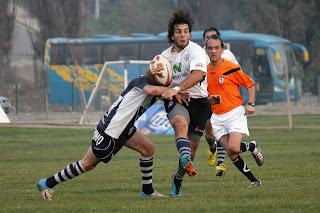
{"points": [[225, 80]]}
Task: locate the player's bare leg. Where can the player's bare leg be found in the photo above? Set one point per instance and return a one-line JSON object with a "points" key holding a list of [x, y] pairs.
{"points": [[231, 144], [146, 148], [46, 185]]}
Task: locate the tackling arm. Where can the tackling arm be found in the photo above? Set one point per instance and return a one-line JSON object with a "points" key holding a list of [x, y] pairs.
{"points": [[195, 77], [154, 90]]}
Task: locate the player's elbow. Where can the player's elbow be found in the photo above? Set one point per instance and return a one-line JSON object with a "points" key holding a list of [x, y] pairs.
{"points": [[197, 75]]}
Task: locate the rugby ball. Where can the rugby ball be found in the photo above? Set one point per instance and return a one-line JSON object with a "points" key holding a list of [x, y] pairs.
{"points": [[166, 76]]}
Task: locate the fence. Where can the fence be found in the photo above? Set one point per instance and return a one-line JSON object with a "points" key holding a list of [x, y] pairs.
{"points": [[29, 101]]}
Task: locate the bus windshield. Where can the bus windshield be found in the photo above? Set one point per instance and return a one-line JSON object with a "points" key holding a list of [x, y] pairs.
{"points": [[280, 60]]}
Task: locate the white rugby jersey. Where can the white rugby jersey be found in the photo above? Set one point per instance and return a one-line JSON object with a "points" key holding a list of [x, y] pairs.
{"points": [[228, 55], [130, 105], [190, 58]]}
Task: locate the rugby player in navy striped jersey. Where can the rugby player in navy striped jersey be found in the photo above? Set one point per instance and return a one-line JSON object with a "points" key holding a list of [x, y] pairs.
{"points": [[115, 130]]}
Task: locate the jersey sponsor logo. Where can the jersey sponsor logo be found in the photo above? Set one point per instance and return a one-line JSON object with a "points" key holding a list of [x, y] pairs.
{"points": [[180, 76], [97, 137], [221, 79], [177, 68], [197, 129], [200, 65]]}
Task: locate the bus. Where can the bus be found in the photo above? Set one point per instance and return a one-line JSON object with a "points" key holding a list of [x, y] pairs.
{"points": [[73, 64]]}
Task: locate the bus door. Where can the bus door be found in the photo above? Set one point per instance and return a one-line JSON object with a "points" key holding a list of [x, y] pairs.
{"points": [[263, 77], [254, 62]]}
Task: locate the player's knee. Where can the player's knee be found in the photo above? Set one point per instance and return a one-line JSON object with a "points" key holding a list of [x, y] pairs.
{"points": [[147, 150], [180, 125], [208, 135], [208, 129], [233, 150], [88, 164]]}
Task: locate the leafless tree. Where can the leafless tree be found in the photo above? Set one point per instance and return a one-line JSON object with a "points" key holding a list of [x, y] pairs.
{"points": [[56, 19], [7, 19]]}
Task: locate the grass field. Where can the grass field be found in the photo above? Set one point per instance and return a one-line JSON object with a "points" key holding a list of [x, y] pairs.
{"points": [[290, 175]]}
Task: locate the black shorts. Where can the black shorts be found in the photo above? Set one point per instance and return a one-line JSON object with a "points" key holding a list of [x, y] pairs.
{"points": [[199, 110], [209, 114], [104, 146]]}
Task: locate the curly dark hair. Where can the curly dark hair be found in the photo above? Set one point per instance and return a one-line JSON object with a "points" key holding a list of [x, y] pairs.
{"points": [[215, 37], [211, 28], [180, 16]]}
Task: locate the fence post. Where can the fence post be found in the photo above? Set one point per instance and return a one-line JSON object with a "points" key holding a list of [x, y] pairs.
{"points": [[17, 96], [72, 96], [318, 81]]}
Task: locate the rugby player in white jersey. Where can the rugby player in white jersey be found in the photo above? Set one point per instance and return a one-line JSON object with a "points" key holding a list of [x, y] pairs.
{"points": [[115, 130], [189, 65]]}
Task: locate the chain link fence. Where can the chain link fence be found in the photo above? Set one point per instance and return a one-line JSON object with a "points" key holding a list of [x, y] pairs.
{"points": [[29, 105]]}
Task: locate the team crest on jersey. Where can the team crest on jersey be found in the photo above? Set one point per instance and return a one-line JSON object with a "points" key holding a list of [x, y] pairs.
{"points": [[186, 57], [221, 79]]}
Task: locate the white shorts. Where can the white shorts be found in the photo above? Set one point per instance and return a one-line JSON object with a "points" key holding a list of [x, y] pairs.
{"points": [[232, 121]]}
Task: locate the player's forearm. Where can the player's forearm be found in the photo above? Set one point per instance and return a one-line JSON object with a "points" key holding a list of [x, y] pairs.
{"points": [[251, 94], [154, 90], [195, 77]]}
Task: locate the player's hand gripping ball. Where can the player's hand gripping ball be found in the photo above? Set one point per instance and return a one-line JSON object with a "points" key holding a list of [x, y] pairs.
{"points": [[161, 68]]}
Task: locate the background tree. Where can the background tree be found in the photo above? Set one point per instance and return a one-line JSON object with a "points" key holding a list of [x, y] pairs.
{"points": [[59, 18], [7, 19], [296, 20], [126, 16]]}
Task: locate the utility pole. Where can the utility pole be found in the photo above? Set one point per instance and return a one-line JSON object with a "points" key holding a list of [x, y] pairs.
{"points": [[97, 9]]}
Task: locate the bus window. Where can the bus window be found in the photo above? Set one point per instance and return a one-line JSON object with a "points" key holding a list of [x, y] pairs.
{"points": [[128, 52], [243, 49], [57, 54], [92, 54], [295, 69], [109, 53], [74, 53], [149, 50], [277, 64], [124, 51]]}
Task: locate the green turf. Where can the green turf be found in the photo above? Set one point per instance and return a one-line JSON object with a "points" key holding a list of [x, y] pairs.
{"points": [[290, 175], [299, 121]]}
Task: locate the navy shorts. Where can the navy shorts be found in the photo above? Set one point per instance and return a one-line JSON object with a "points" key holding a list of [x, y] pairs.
{"points": [[104, 146], [198, 109]]}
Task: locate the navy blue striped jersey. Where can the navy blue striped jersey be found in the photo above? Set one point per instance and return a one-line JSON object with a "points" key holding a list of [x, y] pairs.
{"points": [[130, 105]]}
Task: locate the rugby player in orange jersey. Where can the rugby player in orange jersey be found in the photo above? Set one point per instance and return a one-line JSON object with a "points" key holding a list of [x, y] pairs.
{"points": [[228, 119]]}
